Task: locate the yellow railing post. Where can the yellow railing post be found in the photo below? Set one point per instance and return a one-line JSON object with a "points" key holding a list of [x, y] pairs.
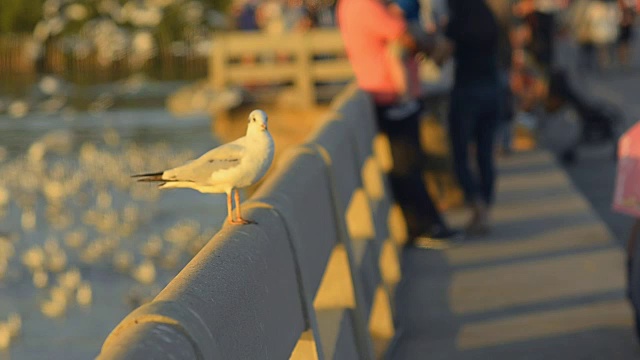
{"points": [[218, 62], [304, 80]]}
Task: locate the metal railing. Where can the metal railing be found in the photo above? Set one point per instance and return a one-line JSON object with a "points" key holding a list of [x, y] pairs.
{"points": [[313, 280]]}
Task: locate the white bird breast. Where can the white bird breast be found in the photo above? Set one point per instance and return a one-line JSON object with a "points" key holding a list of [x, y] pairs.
{"points": [[253, 166]]}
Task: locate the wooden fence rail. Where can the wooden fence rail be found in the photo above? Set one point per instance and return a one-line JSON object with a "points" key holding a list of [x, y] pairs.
{"points": [[17, 57], [302, 59]]}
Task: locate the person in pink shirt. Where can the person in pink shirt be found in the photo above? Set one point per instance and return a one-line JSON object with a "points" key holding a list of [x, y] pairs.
{"points": [[374, 37]]}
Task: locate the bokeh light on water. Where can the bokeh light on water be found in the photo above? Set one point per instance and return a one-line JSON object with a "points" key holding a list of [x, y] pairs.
{"points": [[82, 244], [81, 109]]}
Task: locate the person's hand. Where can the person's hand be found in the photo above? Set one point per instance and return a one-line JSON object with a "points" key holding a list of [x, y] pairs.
{"points": [[518, 58], [524, 8], [430, 27], [443, 21], [408, 42], [442, 51], [521, 36]]}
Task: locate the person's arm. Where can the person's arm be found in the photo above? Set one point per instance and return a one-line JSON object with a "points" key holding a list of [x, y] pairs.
{"points": [[406, 40], [445, 45], [519, 37], [261, 16], [426, 13], [443, 51], [524, 8], [398, 69], [383, 23]]}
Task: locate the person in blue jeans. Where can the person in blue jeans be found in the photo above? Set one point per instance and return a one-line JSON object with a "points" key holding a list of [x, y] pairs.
{"points": [[475, 104]]}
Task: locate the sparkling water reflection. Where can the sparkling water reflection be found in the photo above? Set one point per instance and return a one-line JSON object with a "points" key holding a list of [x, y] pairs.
{"points": [[83, 244]]}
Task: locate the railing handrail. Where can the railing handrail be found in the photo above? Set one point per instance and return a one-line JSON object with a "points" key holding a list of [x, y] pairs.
{"points": [[308, 282]]}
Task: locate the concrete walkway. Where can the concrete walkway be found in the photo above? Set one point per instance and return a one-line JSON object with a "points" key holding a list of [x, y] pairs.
{"points": [[548, 283]]}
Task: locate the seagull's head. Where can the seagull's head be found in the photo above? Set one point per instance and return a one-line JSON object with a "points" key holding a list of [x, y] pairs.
{"points": [[257, 121]]}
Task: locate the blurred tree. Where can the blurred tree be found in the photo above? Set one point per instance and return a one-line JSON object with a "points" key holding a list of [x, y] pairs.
{"points": [[19, 16], [218, 5], [171, 26]]}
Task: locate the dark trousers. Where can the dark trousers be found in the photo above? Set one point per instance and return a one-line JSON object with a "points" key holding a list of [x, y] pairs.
{"points": [[401, 124], [505, 122], [543, 32], [587, 57], [473, 117]]}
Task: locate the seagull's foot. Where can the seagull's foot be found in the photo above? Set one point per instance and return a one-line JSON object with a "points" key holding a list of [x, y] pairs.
{"points": [[241, 221]]}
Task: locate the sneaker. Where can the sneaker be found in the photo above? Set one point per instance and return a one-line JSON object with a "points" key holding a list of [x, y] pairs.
{"points": [[478, 229], [440, 239], [479, 223]]}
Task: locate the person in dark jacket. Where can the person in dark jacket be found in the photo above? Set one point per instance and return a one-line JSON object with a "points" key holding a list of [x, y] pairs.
{"points": [[475, 104]]}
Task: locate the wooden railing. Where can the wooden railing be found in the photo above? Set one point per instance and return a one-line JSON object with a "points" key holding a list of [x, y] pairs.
{"points": [[17, 60], [302, 59]]}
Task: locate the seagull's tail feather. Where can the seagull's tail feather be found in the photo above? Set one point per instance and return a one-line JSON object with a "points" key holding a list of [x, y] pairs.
{"points": [[150, 177]]}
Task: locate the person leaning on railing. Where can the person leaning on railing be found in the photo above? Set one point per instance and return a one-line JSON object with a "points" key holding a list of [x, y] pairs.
{"points": [[369, 30]]}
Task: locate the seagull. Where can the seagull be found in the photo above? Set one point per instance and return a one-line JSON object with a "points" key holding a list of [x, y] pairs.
{"points": [[225, 169]]}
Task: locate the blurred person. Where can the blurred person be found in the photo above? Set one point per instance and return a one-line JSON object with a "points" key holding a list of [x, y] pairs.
{"points": [[579, 22], [628, 15], [418, 15], [596, 30], [270, 17], [321, 13], [369, 29], [244, 15], [435, 13], [540, 15], [605, 29], [413, 12], [428, 16], [528, 84], [277, 17], [502, 12], [474, 110], [296, 16]]}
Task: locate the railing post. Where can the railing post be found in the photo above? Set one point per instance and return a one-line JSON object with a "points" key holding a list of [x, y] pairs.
{"points": [[218, 62], [304, 79], [218, 73]]}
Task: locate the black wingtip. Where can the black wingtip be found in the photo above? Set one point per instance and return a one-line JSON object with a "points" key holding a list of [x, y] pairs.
{"points": [[149, 177], [148, 174]]}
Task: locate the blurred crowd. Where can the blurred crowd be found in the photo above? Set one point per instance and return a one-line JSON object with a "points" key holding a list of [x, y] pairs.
{"points": [[505, 67], [602, 29], [279, 16]]}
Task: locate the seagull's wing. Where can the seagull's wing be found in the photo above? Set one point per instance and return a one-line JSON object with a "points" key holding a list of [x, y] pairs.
{"points": [[199, 170]]}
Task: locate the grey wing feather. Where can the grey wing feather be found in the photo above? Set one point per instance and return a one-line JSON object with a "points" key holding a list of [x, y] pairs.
{"points": [[199, 170]]}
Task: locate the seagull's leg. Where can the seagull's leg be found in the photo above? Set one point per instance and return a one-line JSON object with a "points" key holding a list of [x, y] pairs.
{"points": [[230, 209], [239, 219]]}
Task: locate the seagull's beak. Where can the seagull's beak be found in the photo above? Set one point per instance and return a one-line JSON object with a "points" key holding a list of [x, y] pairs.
{"points": [[263, 127]]}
